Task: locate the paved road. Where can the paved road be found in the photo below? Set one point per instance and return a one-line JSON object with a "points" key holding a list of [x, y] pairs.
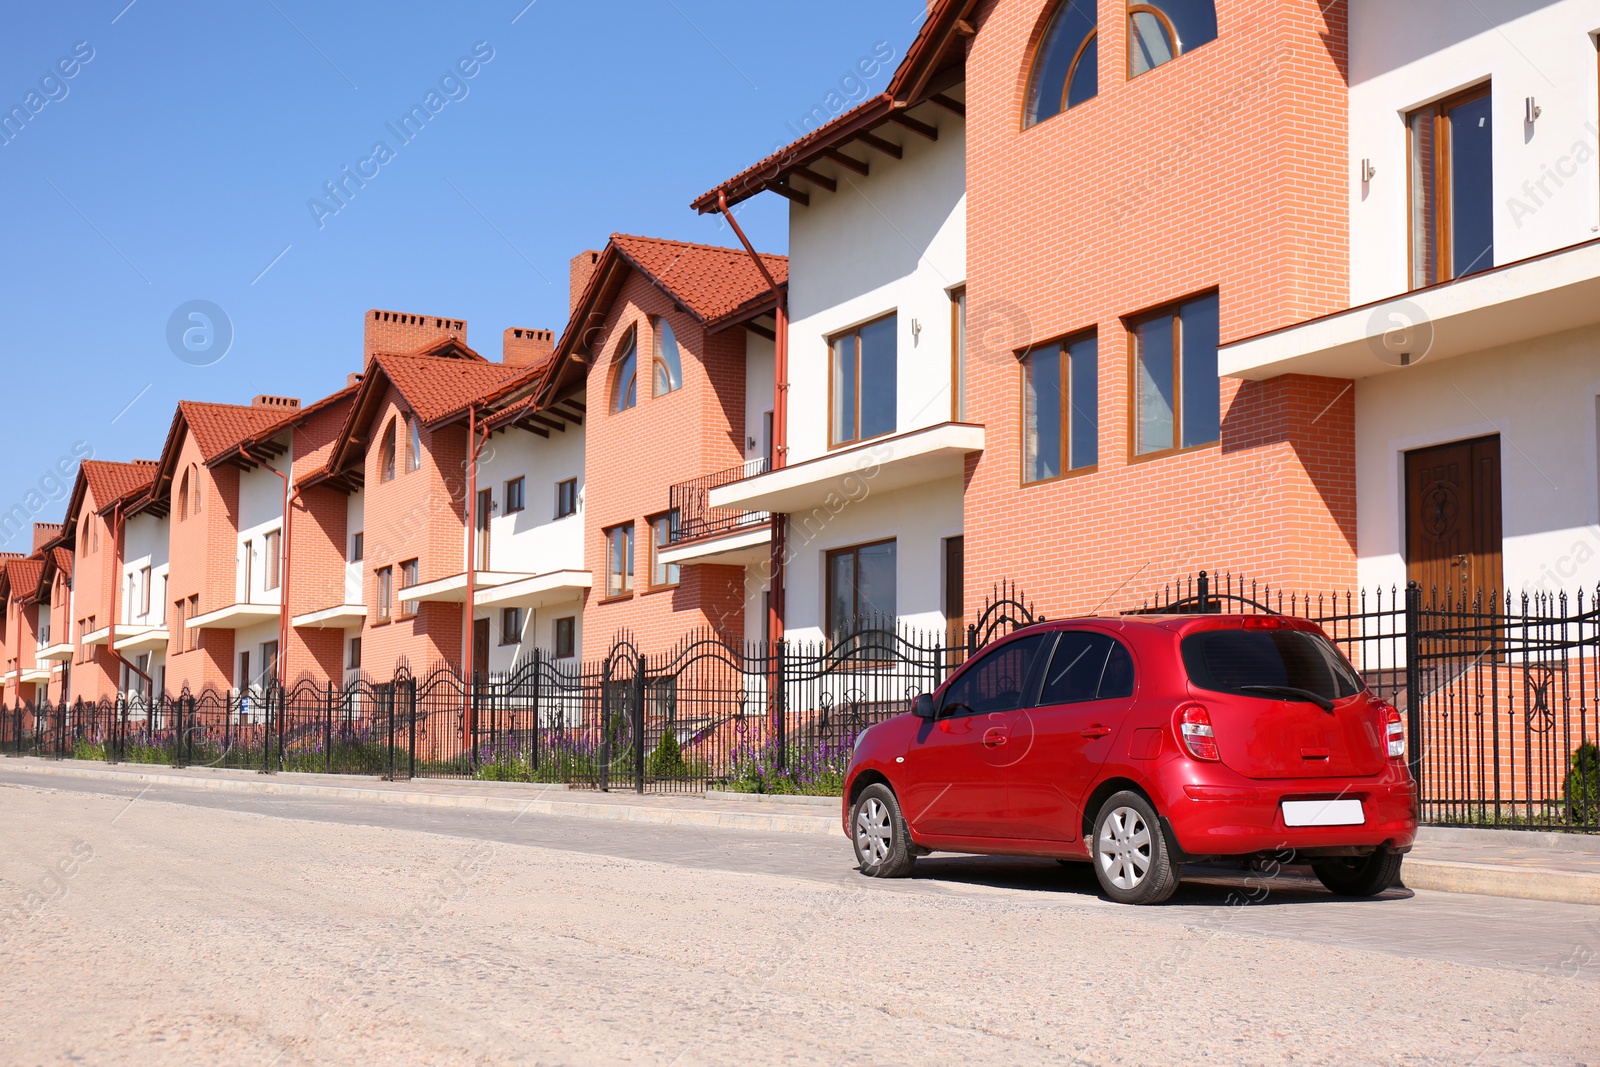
{"points": [[149, 924]]}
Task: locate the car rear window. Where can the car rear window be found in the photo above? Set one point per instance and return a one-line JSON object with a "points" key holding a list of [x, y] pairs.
{"points": [[1225, 661]]}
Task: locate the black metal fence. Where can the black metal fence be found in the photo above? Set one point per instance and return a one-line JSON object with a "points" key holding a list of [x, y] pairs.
{"points": [[697, 518], [1499, 693]]}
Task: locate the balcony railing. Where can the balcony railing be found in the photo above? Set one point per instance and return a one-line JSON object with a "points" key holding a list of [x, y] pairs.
{"points": [[697, 519]]}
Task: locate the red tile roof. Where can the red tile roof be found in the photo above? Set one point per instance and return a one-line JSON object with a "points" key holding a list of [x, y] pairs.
{"points": [[111, 482], [436, 388], [23, 577], [709, 282], [216, 428], [63, 561]]}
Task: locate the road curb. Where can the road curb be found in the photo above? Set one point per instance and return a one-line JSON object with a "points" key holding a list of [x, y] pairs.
{"points": [[774, 822], [1498, 880]]}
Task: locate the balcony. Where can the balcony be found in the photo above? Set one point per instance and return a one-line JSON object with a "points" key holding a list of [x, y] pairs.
{"points": [[233, 617], [881, 465], [340, 617], [141, 638], [709, 534], [502, 588], [61, 651], [1517, 302], [35, 676]]}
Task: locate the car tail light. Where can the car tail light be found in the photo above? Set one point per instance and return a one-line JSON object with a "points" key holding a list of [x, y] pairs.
{"points": [[1194, 726], [1265, 622], [1394, 729]]}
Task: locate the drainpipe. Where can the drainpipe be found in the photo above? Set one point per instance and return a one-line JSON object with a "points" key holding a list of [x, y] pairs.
{"points": [[780, 418], [474, 448], [118, 522], [283, 573]]}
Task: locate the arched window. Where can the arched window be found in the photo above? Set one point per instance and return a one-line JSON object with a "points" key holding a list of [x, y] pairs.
{"points": [[625, 384], [386, 454], [1066, 72], [1163, 30], [414, 445], [183, 497], [669, 365], [194, 480]]}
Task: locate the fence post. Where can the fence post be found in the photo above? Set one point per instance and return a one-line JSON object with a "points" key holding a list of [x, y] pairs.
{"points": [[411, 727], [266, 735], [638, 724], [394, 704], [1203, 591], [1414, 686], [186, 738], [605, 727], [327, 732], [782, 725], [538, 680]]}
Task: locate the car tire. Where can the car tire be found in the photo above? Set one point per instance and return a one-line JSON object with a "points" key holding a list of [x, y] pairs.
{"points": [[1360, 876], [879, 832], [1132, 859]]}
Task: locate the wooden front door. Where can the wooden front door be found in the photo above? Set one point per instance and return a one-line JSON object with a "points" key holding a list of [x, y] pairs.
{"points": [[480, 648], [1453, 519], [955, 588]]}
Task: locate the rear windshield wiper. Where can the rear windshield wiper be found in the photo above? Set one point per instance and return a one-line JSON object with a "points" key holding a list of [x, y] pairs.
{"points": [[1292, 693]]}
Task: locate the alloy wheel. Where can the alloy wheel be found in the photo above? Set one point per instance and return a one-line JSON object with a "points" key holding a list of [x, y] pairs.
{"points": [[874, 831], [1124, 848]]}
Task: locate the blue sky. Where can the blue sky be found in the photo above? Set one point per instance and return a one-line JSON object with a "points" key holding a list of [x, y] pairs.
{"points": [[178, 161]]}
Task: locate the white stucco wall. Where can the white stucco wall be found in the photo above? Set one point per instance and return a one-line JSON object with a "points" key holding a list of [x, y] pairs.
{"points": [[758, 396], [260, 513], [919, 519], [894, 241], [144, 544], [1542, 399], [534, 541], [355, 522], [1404, 56]]}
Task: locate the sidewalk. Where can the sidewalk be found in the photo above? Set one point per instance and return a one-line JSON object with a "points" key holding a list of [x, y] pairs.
{"points": [[1505, 863]]}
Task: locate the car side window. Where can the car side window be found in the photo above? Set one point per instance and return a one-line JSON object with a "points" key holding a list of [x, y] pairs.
{"points": [[995, 682], [1087, 666]]}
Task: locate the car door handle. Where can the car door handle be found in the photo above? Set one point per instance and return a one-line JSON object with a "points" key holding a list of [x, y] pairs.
{"points": [[994, 737], [1096, 731]]}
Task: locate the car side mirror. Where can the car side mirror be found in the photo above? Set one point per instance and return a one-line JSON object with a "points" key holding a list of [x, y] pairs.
{"points": [[922, 707]]}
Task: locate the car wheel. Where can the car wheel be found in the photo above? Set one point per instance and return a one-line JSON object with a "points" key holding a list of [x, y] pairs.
{"points": [[1131, 857], [878, 830], [1360, 876]]}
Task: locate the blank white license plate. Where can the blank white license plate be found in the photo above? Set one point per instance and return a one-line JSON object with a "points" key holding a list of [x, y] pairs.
{"points": [[1323, 813]]}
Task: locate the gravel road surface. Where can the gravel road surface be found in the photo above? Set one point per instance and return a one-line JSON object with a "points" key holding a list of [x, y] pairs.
{"points": [[161, 925]]}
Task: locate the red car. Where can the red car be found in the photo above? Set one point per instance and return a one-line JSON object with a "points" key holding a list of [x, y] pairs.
{"points": [[1141, 743]]}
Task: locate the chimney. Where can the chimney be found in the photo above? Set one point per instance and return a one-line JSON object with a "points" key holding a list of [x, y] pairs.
{"points": [[583, 265], [397, 333], [282, 403], [351, 379], [527, 348], [44, 533]]}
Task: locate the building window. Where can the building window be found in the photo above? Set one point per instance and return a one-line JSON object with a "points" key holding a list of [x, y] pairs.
{"points": [[619, 560], [272, 549], [1066, 72], [668, 362], [1452, 188], [408, 578], [183, 497], [386, 454], [242, 679], [864, 375], [384, 577], [144, 590], [958, 355], [352, 661], [247, 556], [1177, 398], [514, 495], [358, 547], [1162, 30], [1060, 408], [662, 528], [269, 665], [566, 637], [413, 444], [510, 626], [566, 498], [625, 379], [861, 588], [195, 633]]}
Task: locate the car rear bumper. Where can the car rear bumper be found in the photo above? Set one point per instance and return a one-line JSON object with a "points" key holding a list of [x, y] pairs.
{"points": [[1218, 813]]}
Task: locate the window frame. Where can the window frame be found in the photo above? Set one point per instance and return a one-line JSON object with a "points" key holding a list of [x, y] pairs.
{"points": [[1049, 663], [1172, 33], [958, 354], [1063, 349], [358, 546], [1172, 309], [515, 501], [511, 635], [671, 571], [272, 560], [1443, 267], [658, 325], [386, 453], [352, 656], [627, 350], [383, 595], [625, 583], [413, 444], [1029, 111], [569, 639], [144, 590], [194, 632], [832, 631], [834, 442], [410, 577], [562, 484]]}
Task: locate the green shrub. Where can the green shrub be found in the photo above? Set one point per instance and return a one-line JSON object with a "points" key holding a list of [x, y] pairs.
{"points": [[667, 759], [1583, 786]]}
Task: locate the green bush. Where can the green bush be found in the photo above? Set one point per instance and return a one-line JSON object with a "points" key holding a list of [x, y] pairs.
{"points": [[667, 759], [1583, 786]]}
